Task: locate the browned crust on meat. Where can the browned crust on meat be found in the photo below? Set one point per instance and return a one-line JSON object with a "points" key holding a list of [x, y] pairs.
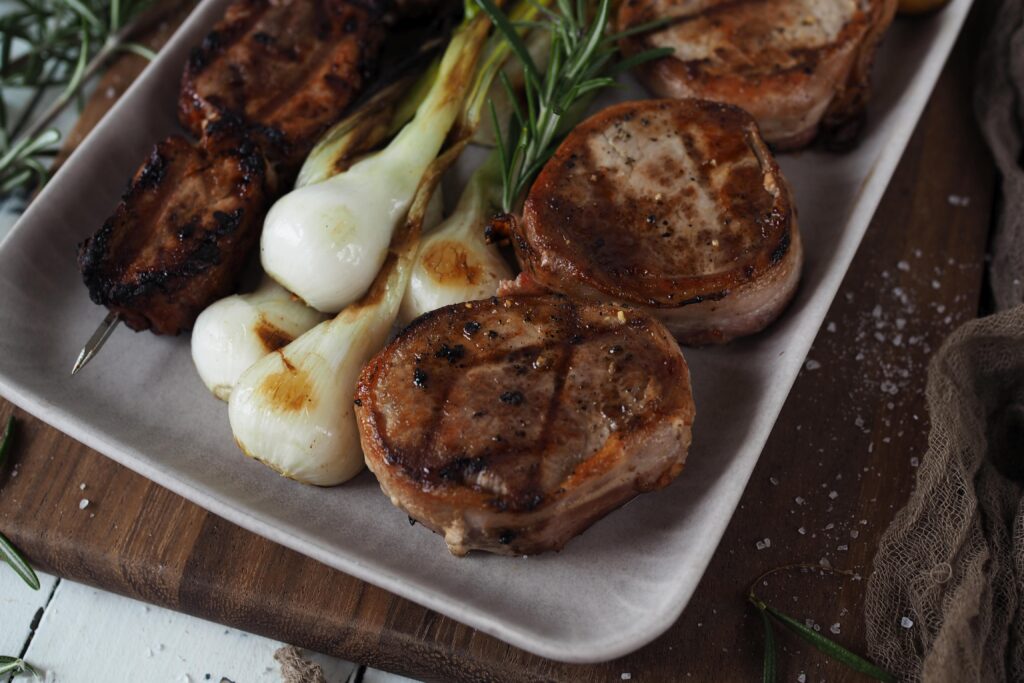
{"points": [[182, 232], [795, 90], [484, 420], [287, 69], [632, 224]]}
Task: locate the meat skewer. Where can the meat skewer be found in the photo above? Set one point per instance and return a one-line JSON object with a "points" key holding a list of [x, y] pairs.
{"points": [[277, 74]]}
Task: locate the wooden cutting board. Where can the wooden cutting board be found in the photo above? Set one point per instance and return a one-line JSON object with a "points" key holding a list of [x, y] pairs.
{"points": [[839, 464]]}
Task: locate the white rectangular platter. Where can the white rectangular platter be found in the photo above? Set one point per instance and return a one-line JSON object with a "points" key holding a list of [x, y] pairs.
{"points": [[613, 589]]}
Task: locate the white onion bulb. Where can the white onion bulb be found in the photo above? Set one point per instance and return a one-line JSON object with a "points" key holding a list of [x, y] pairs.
{"points": [[235, 332], [455, 263]]}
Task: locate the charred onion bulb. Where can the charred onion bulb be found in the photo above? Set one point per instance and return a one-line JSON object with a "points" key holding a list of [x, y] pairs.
{"points": [[235, 332], [455, 263]]}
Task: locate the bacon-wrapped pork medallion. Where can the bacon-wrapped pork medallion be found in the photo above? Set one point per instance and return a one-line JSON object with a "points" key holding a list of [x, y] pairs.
{"points": [[798, 66], [512, 424], [676, 206]]}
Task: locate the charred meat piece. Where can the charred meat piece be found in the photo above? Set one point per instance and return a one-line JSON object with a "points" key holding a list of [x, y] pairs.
{"points": [[182, 232], [672, 205], [796, 65], [512, 424], [288, 69]]}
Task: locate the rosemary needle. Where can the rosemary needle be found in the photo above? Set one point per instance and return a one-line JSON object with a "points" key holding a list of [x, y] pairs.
{"points": [[15, 666], [8, 553], [13, 557], [825, 645], [47, 45], [5, 440]]}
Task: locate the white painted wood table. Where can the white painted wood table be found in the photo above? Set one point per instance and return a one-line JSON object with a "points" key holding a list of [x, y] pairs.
{"points": [[76, 634]]}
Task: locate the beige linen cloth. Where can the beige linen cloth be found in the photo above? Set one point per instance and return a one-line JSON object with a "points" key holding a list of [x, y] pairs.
{"points": [[945, 601]]}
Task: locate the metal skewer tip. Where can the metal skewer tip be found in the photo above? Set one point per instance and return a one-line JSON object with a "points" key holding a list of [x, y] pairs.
{"points": [[96, 341]]}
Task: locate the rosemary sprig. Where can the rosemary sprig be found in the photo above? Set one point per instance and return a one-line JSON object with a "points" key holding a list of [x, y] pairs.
{"points": [[13, 557], [15, 666], [5, 440], [579, 66], [769, 649], [45, 45], [825, 645], [8, 553]]}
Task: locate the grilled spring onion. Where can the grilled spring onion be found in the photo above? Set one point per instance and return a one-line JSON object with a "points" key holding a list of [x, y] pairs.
{"points": [[455, 263], [326, 241], [235, 332], [292, 410], [376, 121]]}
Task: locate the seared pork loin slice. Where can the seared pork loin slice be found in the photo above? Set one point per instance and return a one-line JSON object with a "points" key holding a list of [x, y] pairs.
{"points": [[288, 69], [676, 206], [512, 424], [796, 65], [182, 232]]}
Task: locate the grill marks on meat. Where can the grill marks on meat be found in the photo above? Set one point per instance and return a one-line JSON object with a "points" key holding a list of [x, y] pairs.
{"points": [[673, 205], [264, 84], [510, 425], [287, 69], [181, 233], [796, 65]]}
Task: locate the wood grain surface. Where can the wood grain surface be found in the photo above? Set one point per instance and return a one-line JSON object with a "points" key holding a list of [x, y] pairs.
{"points": [[839, 464]]}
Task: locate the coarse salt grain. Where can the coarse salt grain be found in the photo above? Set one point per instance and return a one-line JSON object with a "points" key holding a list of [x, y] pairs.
{"points": [[834, 628], [906, 622], [81, 487], [626, 676], [904, 266], [958, 200], [812, 365], [761, 545], [833, 495], [831, 327], [84, 503], [802, 531]]}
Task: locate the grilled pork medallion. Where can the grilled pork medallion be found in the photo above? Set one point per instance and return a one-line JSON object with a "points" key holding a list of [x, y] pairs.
{"points": [[512, 424], [676, 206], [287, 68], [182, 232], [797, 65]]}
